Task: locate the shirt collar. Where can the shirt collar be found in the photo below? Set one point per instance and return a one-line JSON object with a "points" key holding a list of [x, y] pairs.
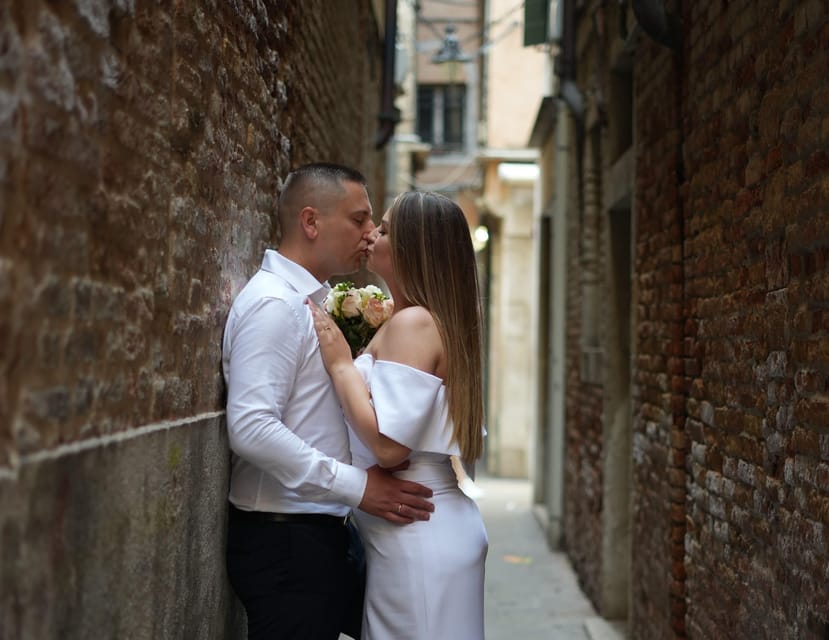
{"points": [[295, 275]]}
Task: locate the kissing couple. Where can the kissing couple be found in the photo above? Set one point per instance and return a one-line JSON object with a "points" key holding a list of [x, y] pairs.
{"points": [[322, 442]]}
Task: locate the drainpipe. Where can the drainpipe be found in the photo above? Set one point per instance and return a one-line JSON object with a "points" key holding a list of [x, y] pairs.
{"points": [[389, 114], [569, 91], [556, 443], [663, 26]]}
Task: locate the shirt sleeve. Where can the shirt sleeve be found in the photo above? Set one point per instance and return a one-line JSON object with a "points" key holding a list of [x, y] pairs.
{"points": [[411, 408], [260, 372]]}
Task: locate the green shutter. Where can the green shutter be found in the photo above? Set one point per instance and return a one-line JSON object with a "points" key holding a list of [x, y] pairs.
{"points": [[536, 21]]}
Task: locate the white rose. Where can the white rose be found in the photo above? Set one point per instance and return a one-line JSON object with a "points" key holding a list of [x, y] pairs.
{"points": [[368, 292], [330, 302]]}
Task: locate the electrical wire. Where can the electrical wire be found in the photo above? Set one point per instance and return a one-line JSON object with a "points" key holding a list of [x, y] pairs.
{"points": [[482, 35], [492, 23]]}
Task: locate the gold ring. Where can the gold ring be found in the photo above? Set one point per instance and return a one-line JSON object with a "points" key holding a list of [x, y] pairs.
{"points": [[399, 507]]}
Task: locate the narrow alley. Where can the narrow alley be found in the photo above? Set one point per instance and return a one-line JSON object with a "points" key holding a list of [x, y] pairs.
{"points": [[646, 187]]}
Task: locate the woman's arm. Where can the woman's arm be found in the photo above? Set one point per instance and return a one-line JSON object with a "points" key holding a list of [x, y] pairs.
{"points": [[352, 391]]}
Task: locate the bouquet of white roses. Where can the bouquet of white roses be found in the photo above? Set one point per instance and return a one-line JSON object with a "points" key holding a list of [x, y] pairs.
{"points": [[358, 312]]}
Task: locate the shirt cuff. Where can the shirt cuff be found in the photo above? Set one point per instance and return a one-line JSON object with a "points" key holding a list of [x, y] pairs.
{"points": [[350, 483]]}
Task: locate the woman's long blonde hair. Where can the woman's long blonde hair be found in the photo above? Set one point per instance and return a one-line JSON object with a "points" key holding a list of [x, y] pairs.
{"points": [[434, 266]]}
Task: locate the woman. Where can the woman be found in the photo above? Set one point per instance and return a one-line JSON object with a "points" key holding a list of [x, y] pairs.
{"points": [[416, 394]]}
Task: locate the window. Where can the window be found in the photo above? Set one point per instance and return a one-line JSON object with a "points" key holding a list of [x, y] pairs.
{"points": [[536, 21], [441, 113]]}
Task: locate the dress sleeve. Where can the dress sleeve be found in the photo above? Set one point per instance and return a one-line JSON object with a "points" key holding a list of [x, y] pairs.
{"points": [[411, 408]]}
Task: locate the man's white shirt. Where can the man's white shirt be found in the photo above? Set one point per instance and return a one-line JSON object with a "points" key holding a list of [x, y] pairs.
{"points": [[286, 428]]}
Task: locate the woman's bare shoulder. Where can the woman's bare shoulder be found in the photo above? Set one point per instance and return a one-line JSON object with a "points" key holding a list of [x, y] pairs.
{"points": [[411, 337], [413, 318]]}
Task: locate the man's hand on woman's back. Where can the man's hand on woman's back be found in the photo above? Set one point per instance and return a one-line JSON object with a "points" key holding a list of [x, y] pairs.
{"points": [[395, 500]]}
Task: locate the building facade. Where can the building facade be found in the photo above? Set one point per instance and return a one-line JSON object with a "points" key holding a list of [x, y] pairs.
{"points": [[683, 403], [509, 178], [141, 151]]}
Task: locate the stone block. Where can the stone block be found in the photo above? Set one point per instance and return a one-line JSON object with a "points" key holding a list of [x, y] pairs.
{"points": [[119, 528]]}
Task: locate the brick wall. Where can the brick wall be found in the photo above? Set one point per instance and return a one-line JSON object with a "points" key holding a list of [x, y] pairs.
{"points": [[658, 387], [659, 383], [757, 288], [583, 404], [141, 148], [730, 339]]}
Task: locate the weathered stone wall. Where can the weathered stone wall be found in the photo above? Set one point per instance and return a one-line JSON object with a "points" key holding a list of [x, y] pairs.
{"points": [[141, 149], [121, 539]]}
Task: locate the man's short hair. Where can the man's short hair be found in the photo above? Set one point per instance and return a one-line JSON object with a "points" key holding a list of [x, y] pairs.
{"points": [[308, 184], [321, 173]]}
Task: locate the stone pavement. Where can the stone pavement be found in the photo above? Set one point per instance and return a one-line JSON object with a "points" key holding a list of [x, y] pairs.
{"points": [[531, 592]]}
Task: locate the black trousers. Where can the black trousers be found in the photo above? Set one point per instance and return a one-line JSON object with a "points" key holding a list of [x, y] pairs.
{"points": [[297, 581]]}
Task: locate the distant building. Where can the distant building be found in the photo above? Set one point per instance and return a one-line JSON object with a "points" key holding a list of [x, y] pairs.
{"points": [[467, 118]]}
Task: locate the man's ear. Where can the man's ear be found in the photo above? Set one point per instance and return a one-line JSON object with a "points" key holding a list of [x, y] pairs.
{"points": [[308, 222]]}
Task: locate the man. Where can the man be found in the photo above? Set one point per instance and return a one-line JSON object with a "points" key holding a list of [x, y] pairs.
{"points": [[291, 488]]}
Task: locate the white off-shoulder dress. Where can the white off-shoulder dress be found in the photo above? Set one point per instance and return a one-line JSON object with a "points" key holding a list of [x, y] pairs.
{"points": [[425, 580]]}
